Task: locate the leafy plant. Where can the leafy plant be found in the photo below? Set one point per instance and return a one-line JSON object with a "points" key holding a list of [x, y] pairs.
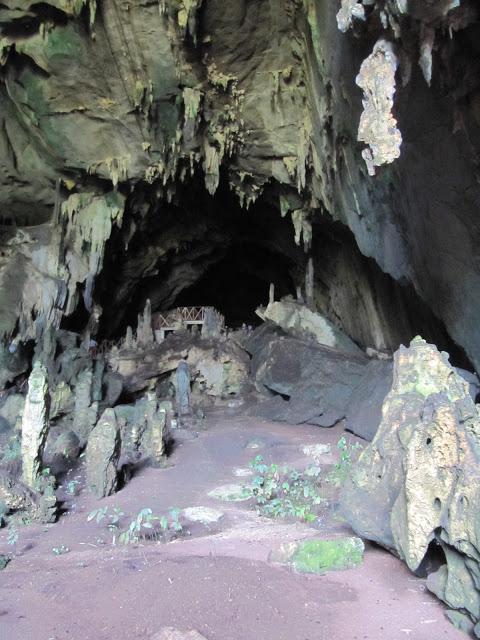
{"points": [[145, 525], [285, 493], [72, 487], [59, 551], [348, 452]]}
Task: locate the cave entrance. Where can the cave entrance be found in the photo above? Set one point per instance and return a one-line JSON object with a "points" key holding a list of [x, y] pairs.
{"points": [[199, 251], [203, 250]]}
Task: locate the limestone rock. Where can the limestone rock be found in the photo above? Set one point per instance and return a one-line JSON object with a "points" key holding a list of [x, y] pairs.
{"points": [[169, 633], [417, 484], [145, 337], [364, 411], [102, 456], [11, 411], [35, 423], [377, 125], [85, 411], [63, 451], [317, 381], [301, 322], [62, 400]]}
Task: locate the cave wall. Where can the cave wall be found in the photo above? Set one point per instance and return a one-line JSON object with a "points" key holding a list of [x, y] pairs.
{"points": [[103, 98]]}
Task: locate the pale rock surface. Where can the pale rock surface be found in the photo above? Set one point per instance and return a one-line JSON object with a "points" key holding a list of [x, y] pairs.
{"points": [[418, 482], [35, 424], [103, 452], [301, 322], [169, 633]]}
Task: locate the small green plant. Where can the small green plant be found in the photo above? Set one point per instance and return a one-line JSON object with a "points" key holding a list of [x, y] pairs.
{"points": [[72, 487], [348, 452], [59, 551], [145, 525], [12, 535], [285, 493]]}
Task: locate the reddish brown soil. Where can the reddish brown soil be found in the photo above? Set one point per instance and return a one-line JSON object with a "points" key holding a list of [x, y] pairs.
{"points": [[218, 580]]}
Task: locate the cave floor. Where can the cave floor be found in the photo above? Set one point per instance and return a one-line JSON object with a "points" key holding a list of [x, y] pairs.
{"points": [[219, 579]]}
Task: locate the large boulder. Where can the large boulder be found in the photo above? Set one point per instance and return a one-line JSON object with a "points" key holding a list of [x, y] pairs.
{"points": [[300, 321], [416, 487], [103, 453], [316, 382], [364, 410]]}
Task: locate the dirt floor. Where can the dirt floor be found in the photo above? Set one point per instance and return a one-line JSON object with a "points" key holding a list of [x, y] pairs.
{"points": [[219, 579]]}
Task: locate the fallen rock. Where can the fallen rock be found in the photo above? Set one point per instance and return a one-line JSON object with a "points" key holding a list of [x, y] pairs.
{"points": [[316, 381], [316, 451], [231, 493], [301, 322], [205, 515], [62, 400], [417, 485], [103, 453], [364, 409], [169, 633]]}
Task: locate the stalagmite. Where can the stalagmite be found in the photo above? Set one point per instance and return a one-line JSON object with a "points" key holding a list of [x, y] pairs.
{"points": [[145, 336], [86, 411], [271, 294], [182, 395], [103, 453], [309, 283], [35, 423]]}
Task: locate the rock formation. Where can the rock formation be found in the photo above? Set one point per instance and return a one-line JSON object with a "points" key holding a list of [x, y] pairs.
{"points": [[193, 120], [417, 485], [302, 322], [103, 453], [35, 423]]}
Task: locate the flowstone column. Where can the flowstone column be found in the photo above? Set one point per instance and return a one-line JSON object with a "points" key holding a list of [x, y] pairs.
{"points": [[35, 423]]}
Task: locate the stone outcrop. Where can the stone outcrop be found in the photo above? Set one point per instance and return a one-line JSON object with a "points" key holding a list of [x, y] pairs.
{"points": [[300, 321], [144, 428], [102, 456], [417, 485], [35, 424], [315, 382], [217, 368], [85, 410]]}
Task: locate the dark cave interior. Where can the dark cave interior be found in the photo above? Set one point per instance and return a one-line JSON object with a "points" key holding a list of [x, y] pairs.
{"points": [[204, 250]]}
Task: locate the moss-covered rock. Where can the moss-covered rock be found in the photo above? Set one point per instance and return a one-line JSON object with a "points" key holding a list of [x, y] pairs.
{"points": [[320, 556]]}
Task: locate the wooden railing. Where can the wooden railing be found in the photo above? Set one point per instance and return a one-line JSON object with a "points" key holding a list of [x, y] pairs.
{"points": [[187, 314]]}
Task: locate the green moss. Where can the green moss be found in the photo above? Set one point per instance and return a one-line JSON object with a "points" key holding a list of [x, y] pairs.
{"points": [[320, 556]]}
